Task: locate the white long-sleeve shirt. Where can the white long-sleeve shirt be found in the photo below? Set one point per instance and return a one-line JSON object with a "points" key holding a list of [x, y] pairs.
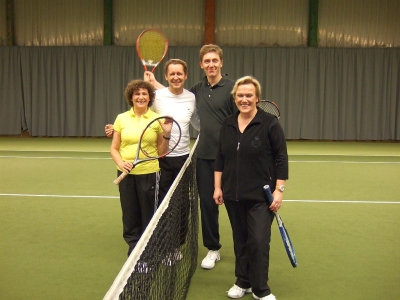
{"points": [[183, 109]]}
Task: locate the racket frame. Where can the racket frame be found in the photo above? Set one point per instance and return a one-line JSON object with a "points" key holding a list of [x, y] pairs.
{"points": [[137, 161], [144, 63], [271, 106], [282, 230]]}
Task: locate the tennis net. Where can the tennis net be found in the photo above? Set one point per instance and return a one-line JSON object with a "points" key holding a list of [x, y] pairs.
{"points": [[165, 258]]}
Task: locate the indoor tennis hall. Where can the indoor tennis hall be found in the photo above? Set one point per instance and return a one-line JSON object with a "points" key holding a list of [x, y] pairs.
{"points": [[331, 66]]}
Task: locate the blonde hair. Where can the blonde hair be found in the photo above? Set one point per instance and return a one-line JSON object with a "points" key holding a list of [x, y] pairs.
{"points": [[247, 80]]}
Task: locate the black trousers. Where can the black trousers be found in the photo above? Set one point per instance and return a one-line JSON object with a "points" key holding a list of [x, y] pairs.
{"points": [[170, 168], [139, 199], [251, 227], [209, 210]]}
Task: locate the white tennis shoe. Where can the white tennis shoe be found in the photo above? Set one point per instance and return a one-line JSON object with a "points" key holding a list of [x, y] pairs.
{"points": [[210, 260], [236, 292], [269, 297], [142, 267], [171, 258]]}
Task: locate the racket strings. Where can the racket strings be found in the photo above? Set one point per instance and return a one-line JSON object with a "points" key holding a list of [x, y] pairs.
{"points": [[169, 130], [152, 47], [148, 145], [270, 107], [174, 136]]}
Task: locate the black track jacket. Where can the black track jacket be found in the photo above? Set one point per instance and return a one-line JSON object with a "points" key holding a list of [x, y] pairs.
{"points": [[251, 159]]}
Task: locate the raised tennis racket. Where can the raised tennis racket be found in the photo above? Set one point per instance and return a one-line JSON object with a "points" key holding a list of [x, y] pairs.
{"points": [[158, 139], [270, 107], [282, 229], [151, 47]]}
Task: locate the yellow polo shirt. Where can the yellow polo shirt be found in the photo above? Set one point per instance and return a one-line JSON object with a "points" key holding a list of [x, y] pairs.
{"points": [[131, 127]]}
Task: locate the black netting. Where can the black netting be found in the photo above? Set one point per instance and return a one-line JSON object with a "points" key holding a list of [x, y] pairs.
{"points": [[165, 259]]}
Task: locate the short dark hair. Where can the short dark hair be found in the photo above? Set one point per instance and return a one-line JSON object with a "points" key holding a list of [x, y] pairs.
{"points": [[137, 84], [175, 61]]}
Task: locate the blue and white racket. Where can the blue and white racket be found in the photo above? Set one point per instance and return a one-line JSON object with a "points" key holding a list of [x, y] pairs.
{"points": [[284, 234]]}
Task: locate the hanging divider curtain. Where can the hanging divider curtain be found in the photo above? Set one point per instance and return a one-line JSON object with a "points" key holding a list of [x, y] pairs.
{"points": [[324, 94]]}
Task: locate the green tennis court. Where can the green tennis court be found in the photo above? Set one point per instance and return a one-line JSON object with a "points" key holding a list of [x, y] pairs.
{"points": [[61, 223]]}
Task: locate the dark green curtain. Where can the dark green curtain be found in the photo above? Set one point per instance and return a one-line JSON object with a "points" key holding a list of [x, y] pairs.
{"points": [[324, 94]]}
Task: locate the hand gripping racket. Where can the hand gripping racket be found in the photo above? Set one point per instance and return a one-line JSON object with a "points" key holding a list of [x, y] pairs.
{"points": [[151, 47], [270, 107], [285, 235], [158, 139]]}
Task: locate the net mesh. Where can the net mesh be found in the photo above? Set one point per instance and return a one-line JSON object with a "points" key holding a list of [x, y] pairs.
{"points": [[165, 258], [151, 47]]}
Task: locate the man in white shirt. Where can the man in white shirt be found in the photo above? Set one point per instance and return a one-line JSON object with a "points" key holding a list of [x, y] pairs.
{"points": [[179, 103]]}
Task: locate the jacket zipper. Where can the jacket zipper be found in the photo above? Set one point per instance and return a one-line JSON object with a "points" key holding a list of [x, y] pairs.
{"points": [[237, 162]]}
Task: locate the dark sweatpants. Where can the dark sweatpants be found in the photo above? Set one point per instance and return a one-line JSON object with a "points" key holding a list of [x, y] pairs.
{"points": [[251, 227], [170, 168]]}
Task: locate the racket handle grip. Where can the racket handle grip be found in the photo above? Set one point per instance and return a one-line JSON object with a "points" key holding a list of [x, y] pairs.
{"points": [[120, 177], [267, 191]]}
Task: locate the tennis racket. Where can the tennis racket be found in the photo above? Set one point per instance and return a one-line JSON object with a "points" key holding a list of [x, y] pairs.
{"points": [[151, 47], [159, 138], [282, 229], [270, 107]]}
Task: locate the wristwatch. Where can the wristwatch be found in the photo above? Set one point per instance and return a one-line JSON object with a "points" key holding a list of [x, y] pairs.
{"points": [[280, 188]]}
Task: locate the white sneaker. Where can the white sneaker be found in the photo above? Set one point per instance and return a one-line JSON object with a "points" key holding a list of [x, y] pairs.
{"points": [[236, 292], [142, 267], [269, 297], [210, 260], [171, 258]]}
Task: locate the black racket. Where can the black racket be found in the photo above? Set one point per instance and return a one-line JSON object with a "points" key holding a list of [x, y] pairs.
{"points": [[158, 139], [282, 229], [270, 107], [151, 47]]}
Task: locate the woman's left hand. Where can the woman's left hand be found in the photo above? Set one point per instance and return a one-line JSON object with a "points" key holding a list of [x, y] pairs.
{"points": [[277, 203]]}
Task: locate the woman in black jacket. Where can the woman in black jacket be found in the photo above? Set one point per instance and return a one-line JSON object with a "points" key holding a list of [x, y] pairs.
{"points": [[252, 153]]}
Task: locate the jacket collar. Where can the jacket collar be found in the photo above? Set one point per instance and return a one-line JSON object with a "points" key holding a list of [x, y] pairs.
{"points": [[258, 118]]}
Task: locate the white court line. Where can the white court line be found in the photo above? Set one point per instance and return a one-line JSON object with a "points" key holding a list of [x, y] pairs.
{"points": [[344, 201], [58, 196], [290, 161], [344, 154], [52, 157], [50, 150], [293, 154], [117, 197], [344, 162]]}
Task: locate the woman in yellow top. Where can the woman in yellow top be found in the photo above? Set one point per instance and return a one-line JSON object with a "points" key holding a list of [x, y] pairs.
{"points": [[139, 189]]}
